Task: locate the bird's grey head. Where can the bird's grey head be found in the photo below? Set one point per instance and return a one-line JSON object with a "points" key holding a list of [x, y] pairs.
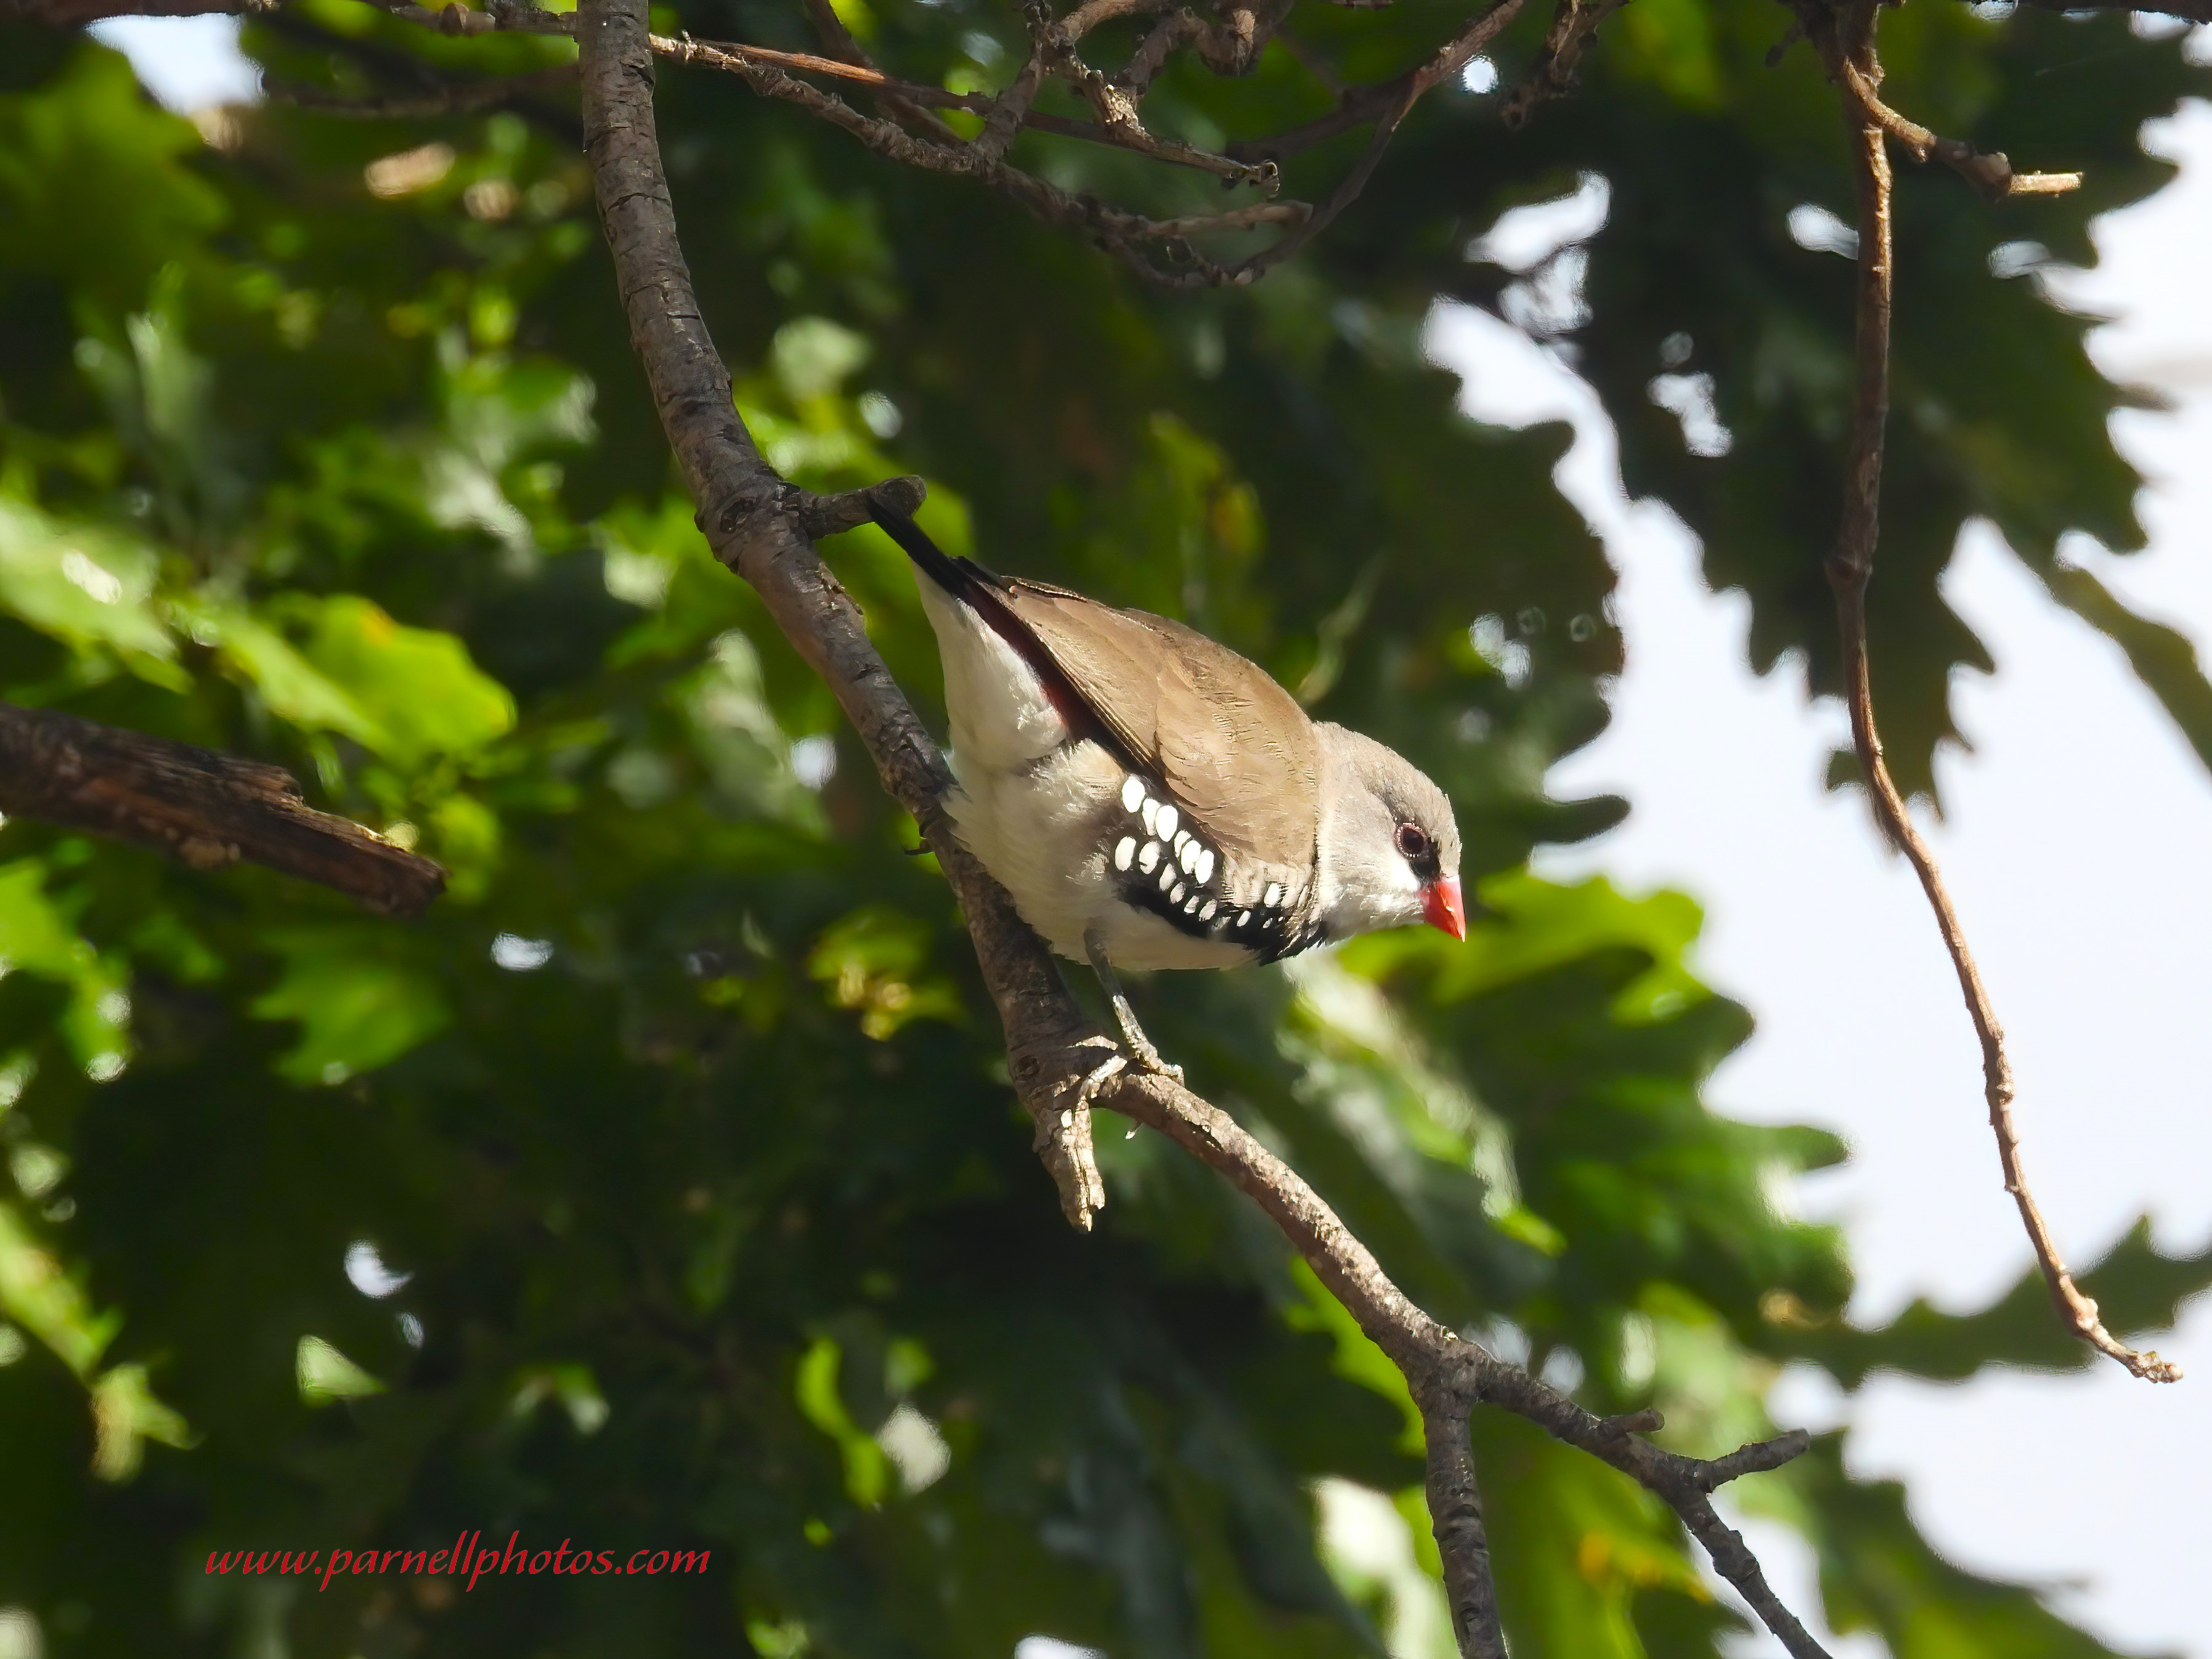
{"points": [[1389, 846]]}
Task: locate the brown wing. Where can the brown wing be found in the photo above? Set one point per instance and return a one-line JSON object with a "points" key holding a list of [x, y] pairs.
{"points": [[1234, 748]]}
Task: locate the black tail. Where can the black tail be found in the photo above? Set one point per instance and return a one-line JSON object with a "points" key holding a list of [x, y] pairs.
{"points": [[985, 594]]}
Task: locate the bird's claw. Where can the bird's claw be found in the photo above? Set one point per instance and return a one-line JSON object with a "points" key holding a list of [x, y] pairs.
{"points": [[1148, 1059], [1126, 1055], [1086, 1091]]}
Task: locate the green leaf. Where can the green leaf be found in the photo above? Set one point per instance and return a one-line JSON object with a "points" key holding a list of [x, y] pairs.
{"points": [[325, 1375], [96, 185], [357, 1011], [418, 687], [293, 688], [85, 586], [38, 937], [2163, 659]]}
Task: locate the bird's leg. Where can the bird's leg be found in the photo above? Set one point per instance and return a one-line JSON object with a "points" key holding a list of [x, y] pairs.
{"points": [[1132, 1035]]}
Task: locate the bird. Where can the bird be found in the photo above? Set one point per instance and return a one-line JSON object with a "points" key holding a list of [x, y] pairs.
{"points": [[1151, 800]]}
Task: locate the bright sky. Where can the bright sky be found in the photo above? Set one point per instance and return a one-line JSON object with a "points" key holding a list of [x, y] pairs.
{"points": [[2079, 832]]}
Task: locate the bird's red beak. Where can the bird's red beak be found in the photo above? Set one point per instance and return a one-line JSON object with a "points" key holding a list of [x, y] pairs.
{"points": [[1443, 906]]}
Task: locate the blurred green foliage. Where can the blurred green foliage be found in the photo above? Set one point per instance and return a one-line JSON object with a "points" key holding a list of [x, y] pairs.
{"points": [[663, 1187]]}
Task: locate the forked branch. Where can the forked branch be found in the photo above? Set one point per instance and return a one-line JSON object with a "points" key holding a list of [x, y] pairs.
{"points": [[1987, 171]]}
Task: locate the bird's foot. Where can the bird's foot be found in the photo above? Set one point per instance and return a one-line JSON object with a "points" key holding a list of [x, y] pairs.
{"points": [[1058, 1084], [1135, 1045], [1087, 1087], [1127, 1055], [1147, 1058]]}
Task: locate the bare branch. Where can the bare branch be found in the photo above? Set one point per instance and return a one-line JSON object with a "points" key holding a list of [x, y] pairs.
{"points": [[1384, 103], [1010, 111], [1987, 171], [839, 39], [1119, 232], [207, 809], [1088, 16], [1441, 1367], [1447, 61], [1850, 567], [759, 525], [1229, 45], [1010, 108], [1247, 218]]}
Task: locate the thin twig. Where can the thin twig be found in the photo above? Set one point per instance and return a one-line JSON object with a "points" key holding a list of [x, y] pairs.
{"points": [[1447, 62], [1849, 568], [839, 39], [1987, 171], [207, 809], [736, 58], [1244, 218], [1553, 74], [1229, 45], [1382, 103], [1010, 108], [1121, 233], [1088, 17], [759, 524]]}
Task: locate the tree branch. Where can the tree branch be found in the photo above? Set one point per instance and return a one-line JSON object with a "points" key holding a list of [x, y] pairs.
{"points": [[1849, 568], [1553, 74], [207, 809], [1447, 62], [1383, 103], [761, 527], [1987, 171], [1456, 1519]]}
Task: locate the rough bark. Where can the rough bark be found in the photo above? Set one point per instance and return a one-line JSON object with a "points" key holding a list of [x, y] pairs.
{"points": [[207, 809]]}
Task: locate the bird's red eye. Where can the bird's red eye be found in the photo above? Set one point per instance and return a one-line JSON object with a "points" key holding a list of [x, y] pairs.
{"points": [[1412, 842]]}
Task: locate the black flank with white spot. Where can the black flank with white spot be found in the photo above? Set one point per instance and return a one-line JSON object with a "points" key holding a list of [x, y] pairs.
{"points": [[1166, 863]]}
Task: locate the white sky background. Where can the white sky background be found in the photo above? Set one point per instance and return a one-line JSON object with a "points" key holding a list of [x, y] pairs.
{"points": [[2077, 845]]}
